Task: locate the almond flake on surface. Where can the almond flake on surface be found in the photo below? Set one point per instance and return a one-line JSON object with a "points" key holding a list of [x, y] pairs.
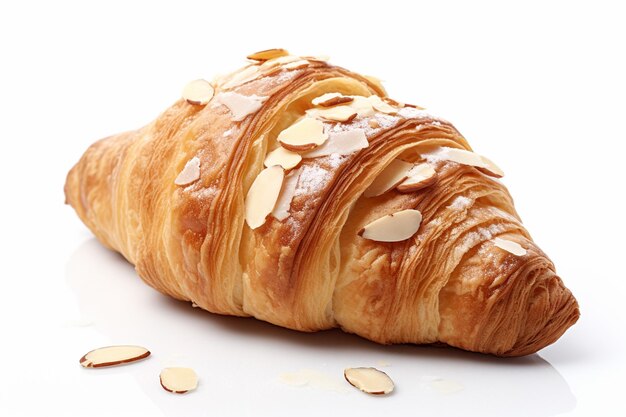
{"points": [[464, 157], [113, 355], [318, 58], [491, 168], [375, 80], [324, 97], [239, 105], [241, 77], [288, 190], [277, 64], [305, 134], [393, 227], [341, 143], [395, 173], [509, 246], [296, 64], [178, 380], [262, 195], [283, 157], [198, 92], [369, 380], [373, 123], [335, 114], [274, 62], [393, 102], [379, 105], [331, 99], [190, 173], [420, 176], [267, 54], [460, 156], [362, 106]]}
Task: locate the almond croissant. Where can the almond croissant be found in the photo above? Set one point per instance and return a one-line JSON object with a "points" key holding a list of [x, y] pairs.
{"points": [[294, 191]]}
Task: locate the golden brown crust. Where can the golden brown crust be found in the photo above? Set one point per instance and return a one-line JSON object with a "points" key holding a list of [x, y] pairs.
{"points": [[312, 271]]}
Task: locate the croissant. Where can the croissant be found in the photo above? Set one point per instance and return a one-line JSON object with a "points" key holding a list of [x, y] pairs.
{"points": [[296, 192]]}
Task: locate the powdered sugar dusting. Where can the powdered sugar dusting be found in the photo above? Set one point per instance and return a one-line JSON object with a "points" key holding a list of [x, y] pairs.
{"points": [[386, 120], [312, 179], [475, 237], [335, 159], [292, 222], [413, 113], [461, 203], [427, 125], [206, 192], [285, 76]]}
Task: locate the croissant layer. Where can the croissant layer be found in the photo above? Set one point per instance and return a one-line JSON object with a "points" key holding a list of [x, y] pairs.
{"points": [[270, 193]]}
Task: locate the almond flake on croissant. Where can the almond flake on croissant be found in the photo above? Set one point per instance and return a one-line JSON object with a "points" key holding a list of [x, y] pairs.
{"points": [[434, 252]]}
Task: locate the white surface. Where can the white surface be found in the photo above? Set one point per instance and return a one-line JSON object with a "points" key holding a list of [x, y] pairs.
{"points": [[539, 88]]}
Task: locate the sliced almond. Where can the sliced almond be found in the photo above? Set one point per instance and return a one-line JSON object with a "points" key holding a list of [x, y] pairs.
{"points": [[288, 190], [362, 106], [395, 173], [283, 157], [241, 77], [190, 173], [341, 143], [178, 380], [296, 64], [375, 80], [303, 135], [379, 105], [392, 102], [317, 58], [267, 54], [393, 227], [335, 114], [280, 61], [460, 156], [369, 380], [324, 97], [262, 195], [373, 123], [239, 105], [491, 168], [465, 157], [509, 246], [331, 99], [198, 92], [420, 176], [113, 355]]}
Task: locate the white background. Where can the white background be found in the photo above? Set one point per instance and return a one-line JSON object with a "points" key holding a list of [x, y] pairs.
{"points": [[537, 87]]}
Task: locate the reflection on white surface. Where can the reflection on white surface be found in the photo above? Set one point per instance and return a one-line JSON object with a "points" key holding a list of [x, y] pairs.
{"points": [[314, 379], [240, 361]]}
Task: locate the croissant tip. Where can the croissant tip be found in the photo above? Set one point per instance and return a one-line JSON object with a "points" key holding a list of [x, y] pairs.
{"points": [[565, 314]]}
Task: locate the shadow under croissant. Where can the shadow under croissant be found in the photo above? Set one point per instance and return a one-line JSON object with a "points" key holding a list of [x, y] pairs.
{"points": [[127, 311]]}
